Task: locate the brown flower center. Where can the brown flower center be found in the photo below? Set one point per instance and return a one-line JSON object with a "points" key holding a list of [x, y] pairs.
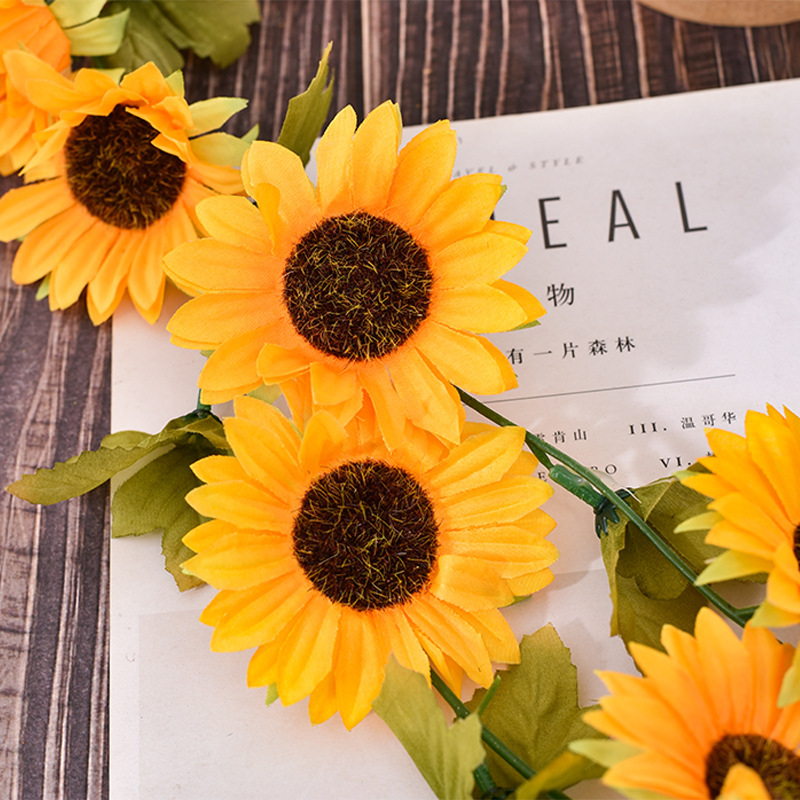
{"points": [[796, 544], [357, 286], [117, 174], [777, 766], [366, 535]]}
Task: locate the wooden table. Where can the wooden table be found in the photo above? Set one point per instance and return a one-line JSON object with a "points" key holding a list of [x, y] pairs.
{"points": [[438, 58]]}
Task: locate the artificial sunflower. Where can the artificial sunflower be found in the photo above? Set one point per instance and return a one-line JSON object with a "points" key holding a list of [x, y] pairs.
{"points": [[123, 168], [330, 554], [703, 722], [373, 284], [54, 32]]}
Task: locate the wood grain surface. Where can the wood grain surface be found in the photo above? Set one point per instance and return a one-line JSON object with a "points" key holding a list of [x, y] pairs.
{"points": [[438, 58]]}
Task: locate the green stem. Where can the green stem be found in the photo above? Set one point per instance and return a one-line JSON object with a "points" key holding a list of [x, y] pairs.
{"points": [[201, 406], [510, 757], [582, 475]]}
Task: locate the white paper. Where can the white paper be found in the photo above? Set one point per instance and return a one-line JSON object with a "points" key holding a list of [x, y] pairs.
{"points": [[648, 338]]}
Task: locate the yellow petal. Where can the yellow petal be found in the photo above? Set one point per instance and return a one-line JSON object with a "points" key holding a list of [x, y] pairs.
{"points": [[306, 655], [241, 504], [466, 360], [333, 157], [375, 146], [469, 583], [209, 265], [262, 618], [360, 665], [270, 418], [322, 442], [452, 635], [482, 258], [269, 162], [43, 249], [210, 319], [462, 210], [504, 501], [204, 535], [479, 460], [80, 264], [234, 220], [480, 309], [261, 452], [242, 560], [231, 368], [423, 172], [429, 400], [23, 209]]}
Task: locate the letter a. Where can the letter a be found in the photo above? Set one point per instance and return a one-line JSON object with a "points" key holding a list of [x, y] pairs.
{"points": [[616, 197]]}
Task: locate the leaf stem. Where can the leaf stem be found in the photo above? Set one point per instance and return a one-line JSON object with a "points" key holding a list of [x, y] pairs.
{"points": [[510, 757], [545, 452]]}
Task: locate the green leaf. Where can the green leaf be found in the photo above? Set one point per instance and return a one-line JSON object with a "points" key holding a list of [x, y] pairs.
{"points": [[90, 469], [647, 591], [445, 756], [535, 713], [98, 37], [306, 113], [159, 29], [154, 499]]}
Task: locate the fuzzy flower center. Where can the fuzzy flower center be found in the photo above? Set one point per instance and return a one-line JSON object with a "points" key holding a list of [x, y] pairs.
{"points": [[796, 544], [366, 535], [777, 766], [116, 173], [357, 286]]}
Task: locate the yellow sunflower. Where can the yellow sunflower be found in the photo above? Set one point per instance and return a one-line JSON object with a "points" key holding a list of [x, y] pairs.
{"points": [[373, 284], [53, 32], [703, 722], [124, 166], [754, 483], [331, 554]]}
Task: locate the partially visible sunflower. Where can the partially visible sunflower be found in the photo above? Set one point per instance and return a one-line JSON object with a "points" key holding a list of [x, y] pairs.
{"points": [[54, 32], [754, 483], [125, 166], [703, 722], [331, 554], [373, 284]]}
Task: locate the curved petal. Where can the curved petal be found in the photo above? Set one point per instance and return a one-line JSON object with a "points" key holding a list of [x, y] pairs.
{"points": [[263, 617], [334, 164], [360, 665], [466, 360], [210, 319], [469, 583], [479, 460], [231, 368], [234, 220], [375, 146], [241, 504], [242, 560], [463, 209], [423, 172], [25, 208], [480, 309], [482, 258], [306, 655]]}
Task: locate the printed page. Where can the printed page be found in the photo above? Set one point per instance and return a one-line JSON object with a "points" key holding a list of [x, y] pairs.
{"points": [[664, 246]]}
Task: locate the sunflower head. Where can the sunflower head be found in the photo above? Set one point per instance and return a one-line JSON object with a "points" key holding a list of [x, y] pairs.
{"points": [[52, 32], [370, 289], [754, 485], [704, 720], [119, 172], [331, 553]]}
